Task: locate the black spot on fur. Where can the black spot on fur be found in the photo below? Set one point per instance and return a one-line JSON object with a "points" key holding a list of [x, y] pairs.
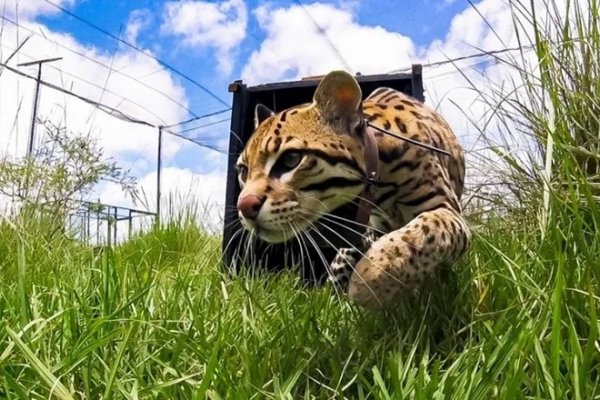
{"points": [[391, 155], [335, 159], [430, 195], [386, 196], [404, 164], [401, 125], [276, 144], [331, 183], [411, 184], [388, 96], [408, 103]]}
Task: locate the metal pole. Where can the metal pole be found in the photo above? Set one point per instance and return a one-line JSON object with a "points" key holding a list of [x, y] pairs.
{"points": [[108, 228], [98, 224], [159, 172], [130, 227], [36, 98], [87, 222], [116, 226]]}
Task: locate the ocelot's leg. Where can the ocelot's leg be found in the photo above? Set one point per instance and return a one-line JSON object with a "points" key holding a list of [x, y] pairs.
{"points": [[345, 261], [400, 260]]}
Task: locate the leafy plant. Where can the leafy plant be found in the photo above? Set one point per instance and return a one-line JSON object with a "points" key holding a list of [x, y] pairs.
{"points": [[64, 169]]}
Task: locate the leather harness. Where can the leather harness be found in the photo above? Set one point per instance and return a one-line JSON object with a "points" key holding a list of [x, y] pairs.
{"points": [[365, 203]]}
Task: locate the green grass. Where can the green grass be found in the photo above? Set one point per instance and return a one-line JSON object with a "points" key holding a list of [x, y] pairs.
{"points": [[517, 318], [156, 318]]}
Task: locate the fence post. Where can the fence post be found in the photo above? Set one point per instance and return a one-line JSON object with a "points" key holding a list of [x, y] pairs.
{"points": [[159, 173]]}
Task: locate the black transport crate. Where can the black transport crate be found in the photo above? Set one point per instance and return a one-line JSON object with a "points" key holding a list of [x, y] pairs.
{"points": [[255, 255]]}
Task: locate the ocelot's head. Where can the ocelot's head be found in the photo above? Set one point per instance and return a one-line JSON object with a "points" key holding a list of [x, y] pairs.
{"points": [[303, 162]]}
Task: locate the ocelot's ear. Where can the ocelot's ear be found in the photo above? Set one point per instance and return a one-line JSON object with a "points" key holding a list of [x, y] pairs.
{"points": [[338, 99], [261, 113]]}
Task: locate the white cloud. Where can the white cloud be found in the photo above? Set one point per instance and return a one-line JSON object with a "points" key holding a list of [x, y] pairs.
{"points": [[470, 31], [294, 47], [32, 8], [138, 20], [220, 25], [453, 93]]}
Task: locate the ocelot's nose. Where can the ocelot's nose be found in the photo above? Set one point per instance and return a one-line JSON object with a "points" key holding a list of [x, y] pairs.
{"points": [[250, 206]]}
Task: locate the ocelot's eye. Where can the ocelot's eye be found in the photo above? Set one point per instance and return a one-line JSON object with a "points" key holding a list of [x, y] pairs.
{"points": [[289, 160], [242, 172]]}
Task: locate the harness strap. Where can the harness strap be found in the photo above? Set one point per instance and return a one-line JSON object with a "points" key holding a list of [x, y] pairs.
{"points": [[365, 204]]}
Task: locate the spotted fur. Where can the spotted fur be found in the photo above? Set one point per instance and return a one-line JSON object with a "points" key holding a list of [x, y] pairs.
{"points": [[308, 160]]}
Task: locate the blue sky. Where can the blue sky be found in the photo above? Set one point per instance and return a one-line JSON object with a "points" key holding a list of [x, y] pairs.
{"points": [[421, 21]]}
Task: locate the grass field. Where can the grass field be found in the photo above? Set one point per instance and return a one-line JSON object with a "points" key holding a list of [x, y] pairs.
{"points": [[157, 318]]}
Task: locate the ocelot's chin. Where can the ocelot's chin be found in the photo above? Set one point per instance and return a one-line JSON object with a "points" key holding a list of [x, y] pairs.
{"points": [[273, 235]]}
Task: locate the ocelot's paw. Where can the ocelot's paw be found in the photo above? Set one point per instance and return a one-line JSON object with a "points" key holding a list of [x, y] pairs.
{"points": [[341, 269]]}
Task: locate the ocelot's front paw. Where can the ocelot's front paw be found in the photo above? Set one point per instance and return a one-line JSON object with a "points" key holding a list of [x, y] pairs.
{"points": [[341, 269], [372, 286]]}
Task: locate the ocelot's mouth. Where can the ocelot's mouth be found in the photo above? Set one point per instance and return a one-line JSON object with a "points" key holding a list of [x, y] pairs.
{"points": [[336, 228]]}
